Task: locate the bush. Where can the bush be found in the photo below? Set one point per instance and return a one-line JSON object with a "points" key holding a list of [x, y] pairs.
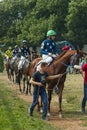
{"points": [[1, 63]]}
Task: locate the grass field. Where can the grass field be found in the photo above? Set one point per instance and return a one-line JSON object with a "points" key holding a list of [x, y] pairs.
{"points": [[13, 110]]}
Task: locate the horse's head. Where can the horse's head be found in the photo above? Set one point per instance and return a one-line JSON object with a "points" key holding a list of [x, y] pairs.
{"points": [[77, 56]]}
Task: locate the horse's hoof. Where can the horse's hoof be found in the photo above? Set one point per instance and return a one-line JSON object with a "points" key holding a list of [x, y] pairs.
{"points": [[60, 115], [48, 114]]}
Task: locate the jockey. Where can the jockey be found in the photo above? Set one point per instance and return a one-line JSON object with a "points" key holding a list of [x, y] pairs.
{"points": [[16, 53], [25, 53], [25, 50], [48, 47], [8, 53]]}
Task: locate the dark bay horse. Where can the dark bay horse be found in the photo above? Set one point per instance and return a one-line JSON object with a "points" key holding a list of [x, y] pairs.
{"points": [[59, 66]]}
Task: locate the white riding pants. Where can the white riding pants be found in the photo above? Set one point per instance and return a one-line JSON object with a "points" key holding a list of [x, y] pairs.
{"points": [[46, 58]]}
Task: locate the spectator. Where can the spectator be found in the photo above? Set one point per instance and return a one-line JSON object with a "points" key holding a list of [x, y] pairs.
{"points": [[39, 82], [84, 69]]}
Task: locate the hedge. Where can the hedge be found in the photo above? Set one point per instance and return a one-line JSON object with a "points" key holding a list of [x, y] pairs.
{"points": [[1, 63]]}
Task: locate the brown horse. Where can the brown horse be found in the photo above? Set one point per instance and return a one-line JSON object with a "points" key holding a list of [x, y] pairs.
{"points": [[9, 71], [58, 66]]}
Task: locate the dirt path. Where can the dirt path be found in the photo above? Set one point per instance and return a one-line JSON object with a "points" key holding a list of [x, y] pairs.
{"points": [[64, 124]]}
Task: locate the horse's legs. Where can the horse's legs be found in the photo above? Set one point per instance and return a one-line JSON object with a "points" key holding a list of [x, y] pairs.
{"points": [[7, 73], [49, 100], [60, 101], [27, 80], [24, 79], [28, 87], [18, 78], [12, 74]]}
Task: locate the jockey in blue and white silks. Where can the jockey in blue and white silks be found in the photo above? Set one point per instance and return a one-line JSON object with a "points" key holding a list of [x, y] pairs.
{"points": [[48, 47], [16, 53], [25, 53]]}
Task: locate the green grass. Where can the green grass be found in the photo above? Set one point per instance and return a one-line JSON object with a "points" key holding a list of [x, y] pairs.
{"points": [[13, 113], [13, 110], [72, 99]]}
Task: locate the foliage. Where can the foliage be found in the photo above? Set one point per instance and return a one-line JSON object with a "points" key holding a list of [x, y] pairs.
{"points": [[77, 21], [31, 19], [13, 112], [1, 63]]}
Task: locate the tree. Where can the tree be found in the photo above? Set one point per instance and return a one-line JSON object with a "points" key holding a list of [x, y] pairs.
{"points": [[77, 22]]}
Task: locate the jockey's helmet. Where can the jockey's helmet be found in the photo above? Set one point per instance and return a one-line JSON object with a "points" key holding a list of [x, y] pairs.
{"points": [[10, 48], [24, 41], [51, 33], [16, 46]]}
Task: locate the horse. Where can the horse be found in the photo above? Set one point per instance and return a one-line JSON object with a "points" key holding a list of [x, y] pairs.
{"points": [[9, 71], [58, 66], [23, 74]]}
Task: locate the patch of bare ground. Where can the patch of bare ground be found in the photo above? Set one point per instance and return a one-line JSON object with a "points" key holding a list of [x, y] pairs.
{"points": [[63, 123]]}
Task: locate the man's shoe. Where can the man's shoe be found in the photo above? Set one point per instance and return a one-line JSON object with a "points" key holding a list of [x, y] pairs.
{"points": [[30, 113], [83, 110], [45, 119]]}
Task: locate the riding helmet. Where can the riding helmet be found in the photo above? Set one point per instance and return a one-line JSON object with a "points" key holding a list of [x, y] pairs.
{"points": [[51, 33]]}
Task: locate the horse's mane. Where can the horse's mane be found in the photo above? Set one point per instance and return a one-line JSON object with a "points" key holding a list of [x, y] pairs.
{"points": [[60, 55]]}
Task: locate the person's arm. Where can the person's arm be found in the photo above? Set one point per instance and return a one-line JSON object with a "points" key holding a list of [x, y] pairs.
{"points": [[54, 76], [42, 49], [35, 83]]}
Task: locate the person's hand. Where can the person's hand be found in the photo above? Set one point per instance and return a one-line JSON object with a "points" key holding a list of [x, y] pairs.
{"points": [[40, 84], [60, 75]]}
